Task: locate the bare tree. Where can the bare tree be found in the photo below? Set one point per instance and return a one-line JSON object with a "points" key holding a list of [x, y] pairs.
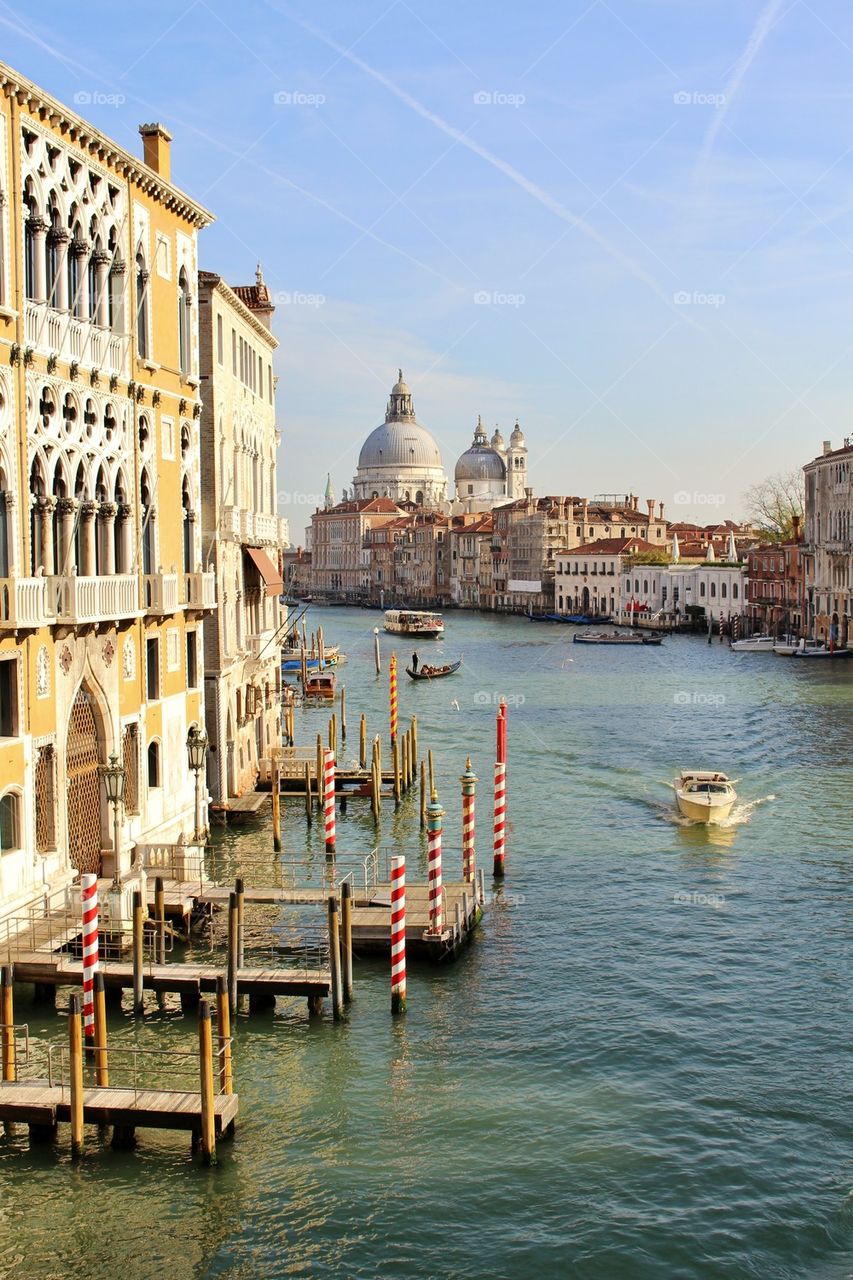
{"points": [[773, 503]]}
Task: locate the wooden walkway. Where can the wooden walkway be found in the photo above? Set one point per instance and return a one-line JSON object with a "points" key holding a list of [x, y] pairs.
{"points": [[371, 925], [184, 979], [37, 1102]]}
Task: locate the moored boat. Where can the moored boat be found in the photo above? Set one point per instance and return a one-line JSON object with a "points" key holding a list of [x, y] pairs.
{"points": [[429, 672], [414, 622], [704, 795], [788, 646], [587, 619], [823, 652], [605, 637], [321, 686], [754, 644]]}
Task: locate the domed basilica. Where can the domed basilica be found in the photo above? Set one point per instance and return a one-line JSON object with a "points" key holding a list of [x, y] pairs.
{"points": [[401, 460]]}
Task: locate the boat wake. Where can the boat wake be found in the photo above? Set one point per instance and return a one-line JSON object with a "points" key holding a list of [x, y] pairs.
{"points": [[739, 816]]}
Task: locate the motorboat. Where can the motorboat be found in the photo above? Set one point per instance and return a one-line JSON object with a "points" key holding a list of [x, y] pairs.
{"points": [[320, 686], [414, 622], [616, 637], [429, 672], [822, 652], [703, 795], [788, 646], [754, 644]]}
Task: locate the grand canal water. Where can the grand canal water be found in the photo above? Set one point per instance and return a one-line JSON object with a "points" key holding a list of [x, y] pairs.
{"points": [[640, 1069]]}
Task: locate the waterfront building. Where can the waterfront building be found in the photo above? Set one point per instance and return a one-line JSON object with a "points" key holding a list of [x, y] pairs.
{"points": [[296, 563], [242, 534], [775, 587], [471, 561], [828, 545], [422, 561], [102, 581], [340, 550]]}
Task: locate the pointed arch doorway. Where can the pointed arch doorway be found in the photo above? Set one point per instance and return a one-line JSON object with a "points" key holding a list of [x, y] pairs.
{"points": [[82, 761]]}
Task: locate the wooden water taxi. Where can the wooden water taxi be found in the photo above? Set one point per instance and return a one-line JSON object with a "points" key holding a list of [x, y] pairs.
{"points": [[320, 686], [703, 795]]}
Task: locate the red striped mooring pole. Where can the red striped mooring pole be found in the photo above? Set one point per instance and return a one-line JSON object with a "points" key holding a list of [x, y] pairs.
{"points": [[500, 793], [392, 694], [329, 798], [89, 904], [434, 815], [398, 935], [469, 786]]}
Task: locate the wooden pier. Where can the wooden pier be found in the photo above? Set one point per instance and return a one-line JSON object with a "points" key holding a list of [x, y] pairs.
{"points": [[43, 1105]]}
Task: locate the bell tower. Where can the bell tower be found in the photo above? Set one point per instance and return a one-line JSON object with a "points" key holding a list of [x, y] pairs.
{"points": [[516, 464]]}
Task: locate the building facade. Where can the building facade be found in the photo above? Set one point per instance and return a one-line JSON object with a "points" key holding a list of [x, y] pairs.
{"points": [[400, 459], [340, 547], [828, 545], [102, 584], [775, 590], [242, 534]]}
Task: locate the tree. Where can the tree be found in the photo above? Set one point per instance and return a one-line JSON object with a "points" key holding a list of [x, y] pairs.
{"points": [[773, 503]]}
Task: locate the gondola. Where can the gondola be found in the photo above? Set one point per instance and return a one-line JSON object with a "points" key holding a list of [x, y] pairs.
{"points": [[429, 672]]}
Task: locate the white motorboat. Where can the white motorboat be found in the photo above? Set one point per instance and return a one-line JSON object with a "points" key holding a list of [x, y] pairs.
{"points": [[789, 646], [704, 795], [414, 622], [754, 644]]}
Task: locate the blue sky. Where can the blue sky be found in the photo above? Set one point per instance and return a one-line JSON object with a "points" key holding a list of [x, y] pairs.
{"points": [[654, 196]]}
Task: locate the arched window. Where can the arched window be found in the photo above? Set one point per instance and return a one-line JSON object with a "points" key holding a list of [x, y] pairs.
{"points": [[189, 526], [734, 591], [184, 319], [713, 589], [723, 590], [30, 215], [115, 286], [143, 347], [146, 497], [53, 260], [10, 822], [701, 588], [154, 764]]}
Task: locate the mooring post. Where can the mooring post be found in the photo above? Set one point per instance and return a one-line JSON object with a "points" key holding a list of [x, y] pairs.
{"points": [[431, 772], [395, 769], [414, 742], [469, 787], [160, 914], [75, 1057], [346, 942], [329, 801], [232, 951], [276, 805], [205, 1064], [308, 805], [465, 916], [435, 813], [392, 696], [138, 927], [423, 794], [481, 884], [362, 742], [398, 935], [223, 1027], [333, 732], [500, 795], [376, 655], [457, 920], [319, 767], [239, 889], [343, 713], [406, 761], [102, 1066], [335, 957], [7, 1017]]}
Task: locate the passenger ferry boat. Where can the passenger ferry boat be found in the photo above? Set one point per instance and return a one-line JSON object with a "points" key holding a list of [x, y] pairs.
{"points": [[413, 622]]}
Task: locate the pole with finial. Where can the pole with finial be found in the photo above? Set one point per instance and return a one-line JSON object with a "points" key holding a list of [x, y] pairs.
{"points": [[435, 813], [469, 786]]}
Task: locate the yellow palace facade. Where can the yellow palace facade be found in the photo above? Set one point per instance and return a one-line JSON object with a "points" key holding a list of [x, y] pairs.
{"points": [[103, 587]]}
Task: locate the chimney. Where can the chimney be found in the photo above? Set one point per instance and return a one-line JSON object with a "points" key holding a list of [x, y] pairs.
{"points": [[795, 527], [660, 511], [827, 447], [156, 141], [650, 503]]}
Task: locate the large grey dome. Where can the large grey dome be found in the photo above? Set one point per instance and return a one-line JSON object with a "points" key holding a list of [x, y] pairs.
{"points": [[480, 461], [399, 444]]}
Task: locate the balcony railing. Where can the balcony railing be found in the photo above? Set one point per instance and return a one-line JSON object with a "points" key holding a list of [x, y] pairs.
{"points": [[262, 645], [247, 525], [266, 528], [61, 334], [161, 593], [25, 602], [200, 590], [229, 523], [95, 599]]}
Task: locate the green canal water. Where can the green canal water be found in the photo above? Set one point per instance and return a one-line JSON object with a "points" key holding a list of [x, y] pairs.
{"points": [[641, 1067]]}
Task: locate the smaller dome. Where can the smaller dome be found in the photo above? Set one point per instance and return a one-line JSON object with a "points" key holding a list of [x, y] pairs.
{"points": [[497, 440], [517, 437], [480, 461]]}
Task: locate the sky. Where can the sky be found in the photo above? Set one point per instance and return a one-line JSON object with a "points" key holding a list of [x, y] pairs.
{"points": [[626, 223]]}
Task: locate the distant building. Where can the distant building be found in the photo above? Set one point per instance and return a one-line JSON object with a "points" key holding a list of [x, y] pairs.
{"points": [[775, 590], [340, 550], [828, 545], [400, 459]]}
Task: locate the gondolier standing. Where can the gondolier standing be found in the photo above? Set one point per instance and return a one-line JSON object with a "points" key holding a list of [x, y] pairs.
{"points": [[414, 662]]}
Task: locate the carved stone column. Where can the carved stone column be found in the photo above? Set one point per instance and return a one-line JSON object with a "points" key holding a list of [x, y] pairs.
{"points": [[66, 510], [88, 549], [59, 237], [124, 539], [38, 229], [101, 301], [106, 528], [45, 509], [80, 304]]}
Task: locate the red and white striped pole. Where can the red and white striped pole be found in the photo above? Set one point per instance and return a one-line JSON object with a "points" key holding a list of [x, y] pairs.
{"points": [[392, 695], [500, 794], [721, 626], [89, 904], [329, 798], [469, 785], [436, 911], [398, 935]]}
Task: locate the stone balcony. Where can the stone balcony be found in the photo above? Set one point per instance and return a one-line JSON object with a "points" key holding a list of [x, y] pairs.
{"points": [[59, 333], [200, 591], [96, 598], [262, 646], [161, 594], [25, 603], [229, 523]]}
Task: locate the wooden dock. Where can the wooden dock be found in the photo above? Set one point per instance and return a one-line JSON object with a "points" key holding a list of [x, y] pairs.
{"points": [[38, 1103]]}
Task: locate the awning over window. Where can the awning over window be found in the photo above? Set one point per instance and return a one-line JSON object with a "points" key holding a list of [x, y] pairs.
{"points": [[268, 571]]}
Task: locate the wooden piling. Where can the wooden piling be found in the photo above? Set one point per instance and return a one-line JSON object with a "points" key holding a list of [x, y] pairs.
{"points": [[335, 957], [320, 771], [423, 794], [75, 1058], [239, 889], [333, 733], [343, 713], [395, 768], [362, 742], [7, 1017], [232, 952], [414, 731], [308, 805], [205, 1065], [346, 940], [102, 1066], [160, 917], [431, 771], [275, 782], [223, 1027], [138, 926], [376, 655], [404, 766]]}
